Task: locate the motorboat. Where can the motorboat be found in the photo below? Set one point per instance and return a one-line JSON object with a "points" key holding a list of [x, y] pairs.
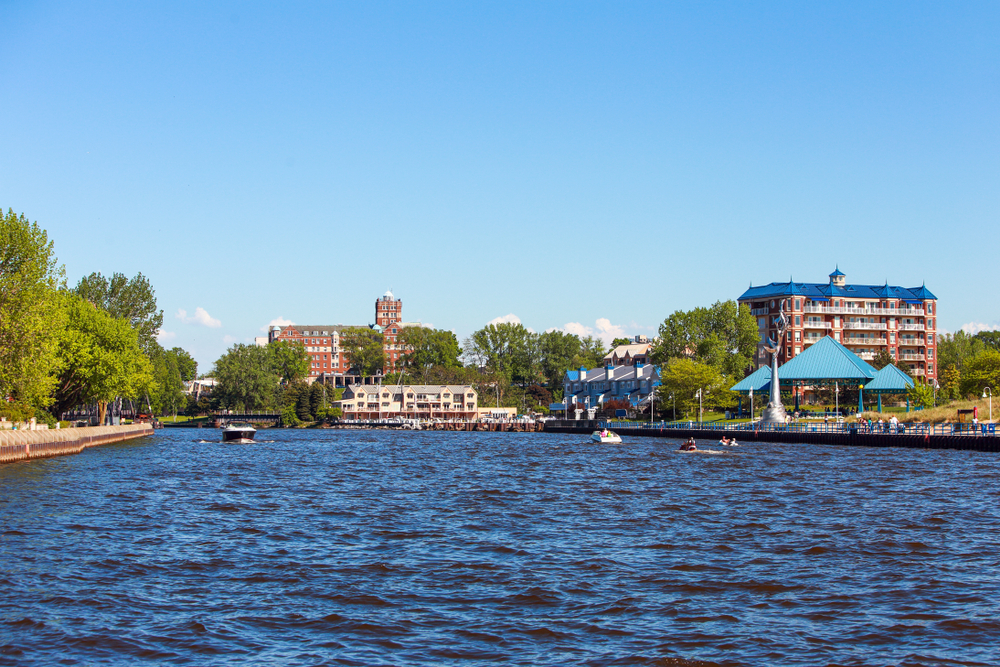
{"points": [[238, 432], [606, 437]]}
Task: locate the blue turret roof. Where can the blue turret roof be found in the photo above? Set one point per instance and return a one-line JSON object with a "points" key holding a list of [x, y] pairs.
{"points": [[836, 273]]}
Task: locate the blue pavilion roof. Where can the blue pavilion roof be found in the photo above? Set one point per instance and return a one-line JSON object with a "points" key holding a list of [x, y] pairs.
{"points": [[759, 381], [889, 380], [826, 361]]}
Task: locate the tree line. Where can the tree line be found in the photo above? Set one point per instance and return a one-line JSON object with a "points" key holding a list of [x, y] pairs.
{"points": [[93, 344]]}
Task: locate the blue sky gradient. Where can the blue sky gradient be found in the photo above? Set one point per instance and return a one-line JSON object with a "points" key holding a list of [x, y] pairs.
{"points": [[563, 163]]}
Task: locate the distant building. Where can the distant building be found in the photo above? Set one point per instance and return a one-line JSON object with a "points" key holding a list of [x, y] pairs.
{"points": [[410, 401], [328, 361], [591, 388], [628, 355], [864, 318]]}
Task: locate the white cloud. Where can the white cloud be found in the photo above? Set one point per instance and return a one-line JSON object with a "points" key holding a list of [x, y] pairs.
{"points": [[165, 336], [973, 328], [509, 318], [200, 316], [277, 322], [603, 329]]}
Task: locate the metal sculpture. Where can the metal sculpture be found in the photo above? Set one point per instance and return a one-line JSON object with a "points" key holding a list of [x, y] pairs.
{"points": [[775, 411]]}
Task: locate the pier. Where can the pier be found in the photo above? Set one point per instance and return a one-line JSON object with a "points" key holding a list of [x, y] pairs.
{"points": [[918, 436], [25, 445]]}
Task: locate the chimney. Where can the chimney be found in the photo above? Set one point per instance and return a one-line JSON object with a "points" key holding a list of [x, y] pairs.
{"points": [[583, 373]]}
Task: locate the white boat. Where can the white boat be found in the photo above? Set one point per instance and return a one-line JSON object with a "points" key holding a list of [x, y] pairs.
{"points": [[606, 437], [238, 432]]}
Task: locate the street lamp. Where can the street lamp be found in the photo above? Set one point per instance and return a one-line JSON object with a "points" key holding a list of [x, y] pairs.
{"points": [[699, 409], [987, 389]]}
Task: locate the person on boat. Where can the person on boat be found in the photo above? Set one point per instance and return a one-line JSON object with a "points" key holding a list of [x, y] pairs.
{"points": [[689, 446], [604, 433], [724, 441]]}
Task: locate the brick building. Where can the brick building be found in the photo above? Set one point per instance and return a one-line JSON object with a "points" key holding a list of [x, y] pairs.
{"points": [[864, 318]]}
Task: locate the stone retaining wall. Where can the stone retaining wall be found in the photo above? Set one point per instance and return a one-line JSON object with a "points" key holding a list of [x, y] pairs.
{"points": [[23, 445]]}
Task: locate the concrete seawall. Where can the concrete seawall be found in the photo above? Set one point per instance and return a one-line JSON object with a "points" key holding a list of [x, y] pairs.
{"points": [[915, 441], [24, 445]]}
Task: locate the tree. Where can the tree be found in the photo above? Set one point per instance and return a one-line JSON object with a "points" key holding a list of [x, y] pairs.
{"points": [[290, 361], [29, 312], [591, 353], [980, 372], [724, 336], [247, 378], [951, 381], [956, 349], [883, 359], [365, 349], [684, 377], [132, 299], [100, 359], [620, 341], [186, 365], [558, 351], [506, 349], [921, 395], [990, 339], [425, 348], [167, 394]]}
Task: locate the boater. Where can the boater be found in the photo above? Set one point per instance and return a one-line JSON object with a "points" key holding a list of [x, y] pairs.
{"points": [[689, 446]]}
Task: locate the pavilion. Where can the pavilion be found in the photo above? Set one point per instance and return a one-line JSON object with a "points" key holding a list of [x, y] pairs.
{"points": [[827, 362]]}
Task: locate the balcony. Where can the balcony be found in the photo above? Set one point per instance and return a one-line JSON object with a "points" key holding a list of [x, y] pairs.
{"points": [[918, 371], [876, 326], [911, 327], [757, 312], [816, 324], [864, 341], [919, 342], [864, 312], [867, 356], [911, 357]]}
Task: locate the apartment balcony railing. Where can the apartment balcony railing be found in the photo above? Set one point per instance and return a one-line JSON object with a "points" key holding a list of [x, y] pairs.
{"points": [[841, 310], [867, 356], [817, 324], [912, 341], [877, 326], [918, 371], [912, 357], [911, 327], [864, 341], [756, 312]]}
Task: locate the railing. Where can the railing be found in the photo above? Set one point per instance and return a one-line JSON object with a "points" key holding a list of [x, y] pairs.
{"points": [[842, 310], [911, 357], [867, 356], [911, 341], [911, 327], [988, 430], [865, 325], [816, 324], [756, 312], [864, 341]]}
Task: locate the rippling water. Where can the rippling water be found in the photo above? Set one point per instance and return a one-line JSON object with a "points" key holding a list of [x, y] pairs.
{"points": [[372, 548]]}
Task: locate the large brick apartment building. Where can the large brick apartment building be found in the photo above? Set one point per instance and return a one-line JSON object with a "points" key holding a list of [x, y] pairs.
{"points": [[322, 341], [865, 318]]}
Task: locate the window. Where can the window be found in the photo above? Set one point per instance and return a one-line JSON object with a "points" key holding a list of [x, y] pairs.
{"points": [[798, 320], [798, 336], [798, 304]]}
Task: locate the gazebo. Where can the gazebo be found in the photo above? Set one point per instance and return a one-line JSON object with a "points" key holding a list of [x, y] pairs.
{"points": [[758, 382], [823, 363], [890, 380]]}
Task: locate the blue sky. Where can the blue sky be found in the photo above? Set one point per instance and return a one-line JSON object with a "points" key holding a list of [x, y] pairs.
{"points": [[587, 166]]}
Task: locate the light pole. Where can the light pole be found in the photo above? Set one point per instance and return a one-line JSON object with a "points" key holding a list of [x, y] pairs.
{"points": [[751, 405], [699, 409], [987, 389], [836, 397], [936, 387]]}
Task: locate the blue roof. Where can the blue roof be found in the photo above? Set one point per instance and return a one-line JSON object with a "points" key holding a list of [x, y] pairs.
{"points": [[836, 272], [826, 290], [890, 380], [759, 381], [826, 361]]}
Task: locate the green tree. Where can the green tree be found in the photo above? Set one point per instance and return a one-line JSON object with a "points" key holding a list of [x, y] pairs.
{"points": [[132, 299], [290, 361], [317, 400], [425, 348], [951, 382], [365, 349], [167, 395], [620, 341], [558, 350], [957, 348], [724, 336], [684, 377], [186, 365], [990, 339], [302, 408], [921, 395], [982, 371], [591, 353], [100, 359], [29, 312], [247, 377], [506, 349], [882, 359]]}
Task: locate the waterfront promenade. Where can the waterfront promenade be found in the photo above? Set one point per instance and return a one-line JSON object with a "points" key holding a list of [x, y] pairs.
{"points": [[24, 445], [919, 436]]}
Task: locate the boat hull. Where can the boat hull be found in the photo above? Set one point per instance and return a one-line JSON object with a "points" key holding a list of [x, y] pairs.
{"points": [[238, 435]]}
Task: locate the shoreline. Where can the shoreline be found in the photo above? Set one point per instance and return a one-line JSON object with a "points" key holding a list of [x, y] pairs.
{"points": [[26, 445]]}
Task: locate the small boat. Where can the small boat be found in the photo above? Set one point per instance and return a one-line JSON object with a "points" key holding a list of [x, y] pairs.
{"points": [[606, 437], [729, 442], [238, 432]]}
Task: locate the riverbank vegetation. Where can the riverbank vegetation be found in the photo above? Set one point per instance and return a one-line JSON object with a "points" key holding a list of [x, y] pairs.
{"points": [[93, 344]]}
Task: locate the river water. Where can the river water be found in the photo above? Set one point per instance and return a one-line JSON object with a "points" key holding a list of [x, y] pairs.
{"points": [[378, 548]]}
